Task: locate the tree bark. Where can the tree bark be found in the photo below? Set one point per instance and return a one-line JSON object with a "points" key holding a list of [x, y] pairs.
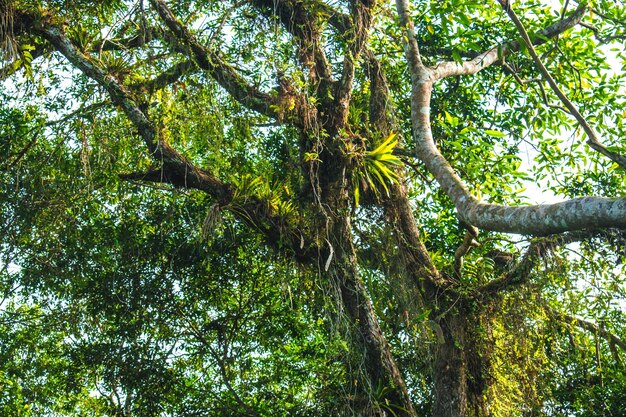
{"points": [[381, 387], [450, 369], [383, 391], [461, 361]]}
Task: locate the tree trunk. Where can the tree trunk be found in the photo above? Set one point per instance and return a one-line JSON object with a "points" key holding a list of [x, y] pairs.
{"points": [[382, 390], [460, 365], [450, 369]]}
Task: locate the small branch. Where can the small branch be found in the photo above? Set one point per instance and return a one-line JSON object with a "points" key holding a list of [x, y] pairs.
{"points": [[592, 140], [614, 20], [221, 365], [18, 157], [596, 33], [467, 244], [80, 112], [113, 26], [362, 20], [546, 101], [495, 55], [537, 250], [167, 77], [216, 66], [589, 326]]}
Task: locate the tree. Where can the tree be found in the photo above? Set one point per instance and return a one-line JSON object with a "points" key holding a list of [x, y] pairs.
{"points": [[304, 207]]}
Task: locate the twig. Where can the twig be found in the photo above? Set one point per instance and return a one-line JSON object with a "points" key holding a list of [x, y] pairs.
{"points": [[592, 140], [467, 244]]}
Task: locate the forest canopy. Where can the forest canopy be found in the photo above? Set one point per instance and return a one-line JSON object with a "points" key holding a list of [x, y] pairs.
{"points": [[312, 208]]}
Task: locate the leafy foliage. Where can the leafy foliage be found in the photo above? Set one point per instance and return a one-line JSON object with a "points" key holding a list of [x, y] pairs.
{"points": [[229, 253]]}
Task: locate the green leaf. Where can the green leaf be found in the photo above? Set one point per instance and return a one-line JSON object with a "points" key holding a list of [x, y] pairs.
{"points": [[494, 133]]}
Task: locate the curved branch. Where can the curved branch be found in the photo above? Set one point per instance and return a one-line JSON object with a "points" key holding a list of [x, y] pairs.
{"points": [[463, 249], [589, 326], [490, 57], [216, 66], [167, 77], [537, 250], [540, 220], [592, 140], [602, 39]]}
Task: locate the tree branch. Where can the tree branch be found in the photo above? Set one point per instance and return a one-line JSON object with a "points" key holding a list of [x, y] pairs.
{"points": [[602, 39], [19, 155], [410, 45], [592, 138], [494, 55], [216, 66], [539, 220], [359, 33], [220, 364], [589, 326], [537, 250], [167, 77], [463, 249]]}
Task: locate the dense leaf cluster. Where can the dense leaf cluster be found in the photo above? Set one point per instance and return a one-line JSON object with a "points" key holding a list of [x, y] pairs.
{"points": [[224, 208]]}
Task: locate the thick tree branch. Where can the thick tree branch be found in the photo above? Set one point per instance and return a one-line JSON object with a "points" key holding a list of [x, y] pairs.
{"points": [[592, 138], [540, 220], [216, 66], [411, 47], [280, 233], [299, 19], [587, 325], [497, 54], [176, 169]]}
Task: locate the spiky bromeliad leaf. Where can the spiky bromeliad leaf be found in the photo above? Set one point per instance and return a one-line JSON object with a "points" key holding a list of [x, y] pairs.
{"points": [[378, 167]]}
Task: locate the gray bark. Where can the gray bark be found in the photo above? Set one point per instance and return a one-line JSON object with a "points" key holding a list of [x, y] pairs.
{"points": [[576, 214]]}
